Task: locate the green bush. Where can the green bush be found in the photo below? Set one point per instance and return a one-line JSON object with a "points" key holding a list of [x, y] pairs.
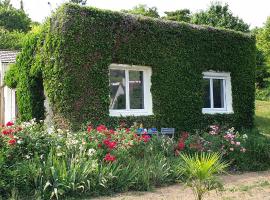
{"points": [[11, 39], [257, 155], [76, 79]]}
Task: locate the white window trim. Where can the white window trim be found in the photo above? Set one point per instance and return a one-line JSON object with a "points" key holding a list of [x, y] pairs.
{"points": [[228, 108], [148, 105]]}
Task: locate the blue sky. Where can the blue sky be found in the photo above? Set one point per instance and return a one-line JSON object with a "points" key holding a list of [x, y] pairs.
{"points": [[253, 12]]}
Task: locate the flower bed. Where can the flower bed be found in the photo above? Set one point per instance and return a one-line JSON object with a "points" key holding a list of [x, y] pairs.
{"points": [[99, 160]]}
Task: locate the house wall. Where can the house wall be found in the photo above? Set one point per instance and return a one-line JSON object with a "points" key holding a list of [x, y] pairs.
{"points": [[8, 98]]}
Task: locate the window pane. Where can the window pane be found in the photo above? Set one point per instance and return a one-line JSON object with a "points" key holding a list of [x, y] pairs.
{"points": [[136, 90], [117, 87], [207, 98], [218, 93]]}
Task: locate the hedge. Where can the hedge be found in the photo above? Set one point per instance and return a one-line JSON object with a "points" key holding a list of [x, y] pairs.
{"points": [[81, 42]]}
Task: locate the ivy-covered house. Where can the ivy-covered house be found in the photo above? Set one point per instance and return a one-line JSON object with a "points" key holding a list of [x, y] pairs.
{"points": [[107, 67]]}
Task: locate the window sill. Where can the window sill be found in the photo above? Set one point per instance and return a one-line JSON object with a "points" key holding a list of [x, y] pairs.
{"points": [[125, 113], [216, 111]]}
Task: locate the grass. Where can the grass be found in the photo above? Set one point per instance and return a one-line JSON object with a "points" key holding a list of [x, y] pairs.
{"points": [[262, 117]]}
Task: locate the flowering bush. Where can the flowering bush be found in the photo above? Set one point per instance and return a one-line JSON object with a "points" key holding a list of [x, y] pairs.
{"points": [[216, 139], [41, 161]]}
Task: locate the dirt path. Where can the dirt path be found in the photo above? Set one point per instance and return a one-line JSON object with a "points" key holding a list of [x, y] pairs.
{"points": [[247, 186]]}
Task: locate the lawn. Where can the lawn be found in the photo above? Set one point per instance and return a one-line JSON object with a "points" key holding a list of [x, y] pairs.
{"points": [[262, 118]]}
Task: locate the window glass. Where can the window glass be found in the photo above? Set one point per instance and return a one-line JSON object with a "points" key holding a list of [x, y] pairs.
{"points": [[117, 89], [218, 93], [207, 98], [136, 90]]}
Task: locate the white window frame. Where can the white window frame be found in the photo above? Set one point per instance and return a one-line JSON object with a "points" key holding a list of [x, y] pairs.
{"points": [[228, 108], [147, 73]]}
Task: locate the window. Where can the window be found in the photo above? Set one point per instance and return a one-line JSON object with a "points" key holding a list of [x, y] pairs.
{"points": [[217, 93], [130, 90]]}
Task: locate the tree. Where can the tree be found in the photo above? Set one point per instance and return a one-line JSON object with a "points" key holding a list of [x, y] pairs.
{"points": [[82, 2], [263, 40], [5, 3], [218, 15], [13, 19], [183, 15], [143, 10]]}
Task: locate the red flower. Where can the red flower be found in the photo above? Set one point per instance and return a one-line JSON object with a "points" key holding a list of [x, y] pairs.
{"points": [[146, 138], [127, 130], [7, 131], [181, 145], [101, 128], [109, 158], [111, 131], [106, 141], [109, 144], [99, 145], [10, 123], [112, 145], [89, 129], [12, 142]]}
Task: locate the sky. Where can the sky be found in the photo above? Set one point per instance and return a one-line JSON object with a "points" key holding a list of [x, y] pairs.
{"points": [[253, 12]]}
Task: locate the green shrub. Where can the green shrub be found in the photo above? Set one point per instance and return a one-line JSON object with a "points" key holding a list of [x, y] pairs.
{"points": [[257, 155]]}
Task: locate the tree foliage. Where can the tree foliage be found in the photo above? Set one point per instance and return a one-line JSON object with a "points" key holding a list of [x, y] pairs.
{"points": [[11, 40], [13, 19], [263, 40], [142, 9], [82, 2], [219, 15], [183, 15]]}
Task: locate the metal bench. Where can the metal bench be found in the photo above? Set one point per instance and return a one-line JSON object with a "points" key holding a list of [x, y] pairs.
{"points": [[167, 132]]}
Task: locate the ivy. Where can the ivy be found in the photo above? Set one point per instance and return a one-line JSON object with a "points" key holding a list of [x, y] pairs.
{"points": [[81, 42]]}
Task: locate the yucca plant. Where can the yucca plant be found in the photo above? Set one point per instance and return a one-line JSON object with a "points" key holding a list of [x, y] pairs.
{"points": [[200, 172]]}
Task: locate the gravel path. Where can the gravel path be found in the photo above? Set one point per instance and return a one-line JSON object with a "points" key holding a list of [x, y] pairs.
{"points": [[247, 186]]}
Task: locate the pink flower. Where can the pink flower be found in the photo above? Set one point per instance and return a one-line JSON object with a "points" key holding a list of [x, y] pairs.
{"points": [[10, 123], [109, 158], [215, 129], [111, 131], [237, 143], [232, 142], [146, 138], [231, 149], [101, 128]]}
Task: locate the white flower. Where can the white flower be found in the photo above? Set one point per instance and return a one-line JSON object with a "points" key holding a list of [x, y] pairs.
{"points": [[27, 157], [238, 143], [60, 131], [19, 141], [245, 136], [91, 152], [59, 154]]}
